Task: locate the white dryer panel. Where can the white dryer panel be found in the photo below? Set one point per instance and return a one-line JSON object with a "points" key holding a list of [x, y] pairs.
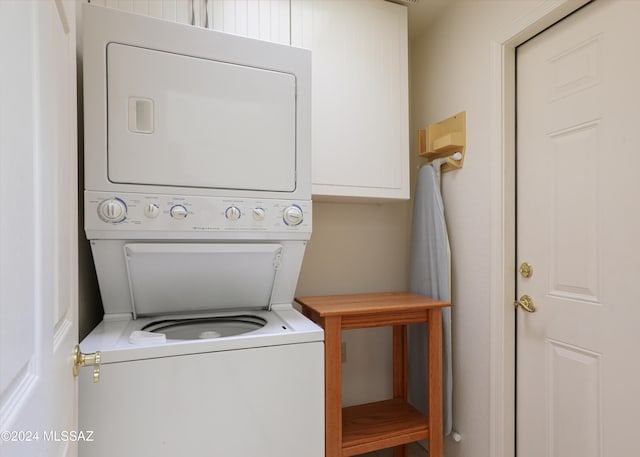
{"points": [[176, 120]]}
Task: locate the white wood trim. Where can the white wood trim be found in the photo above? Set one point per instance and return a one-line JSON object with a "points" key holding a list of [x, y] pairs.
{"points": [[502, 356]]}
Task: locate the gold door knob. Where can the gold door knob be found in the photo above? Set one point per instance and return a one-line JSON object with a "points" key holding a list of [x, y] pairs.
{"points": [[80, 359], [526, 270], [525, 303]]}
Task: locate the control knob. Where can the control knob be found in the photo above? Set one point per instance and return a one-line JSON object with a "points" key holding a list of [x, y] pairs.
{"points": [[179, 212], [112, 210], [293, 215], [258, 214], [232, 213], [152, 210]]}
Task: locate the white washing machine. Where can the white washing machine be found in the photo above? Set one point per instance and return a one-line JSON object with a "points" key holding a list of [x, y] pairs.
{"points": [[198, 210]]}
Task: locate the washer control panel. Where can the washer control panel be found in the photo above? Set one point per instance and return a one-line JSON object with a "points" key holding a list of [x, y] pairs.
{"points": [[105, 211]]}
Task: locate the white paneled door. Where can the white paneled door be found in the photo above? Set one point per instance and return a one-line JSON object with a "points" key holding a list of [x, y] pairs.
{"points": [[38, 228], [578, 226]]}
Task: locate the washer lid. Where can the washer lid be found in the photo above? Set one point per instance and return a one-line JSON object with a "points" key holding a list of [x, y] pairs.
{"points": [[180, 277]]}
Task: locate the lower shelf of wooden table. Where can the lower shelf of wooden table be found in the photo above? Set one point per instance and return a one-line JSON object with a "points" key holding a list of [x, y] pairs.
{"points": [[381, 425]]}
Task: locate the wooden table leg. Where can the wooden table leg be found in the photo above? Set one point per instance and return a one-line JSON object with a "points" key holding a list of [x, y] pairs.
{"points": [[333, 386], [401, 451], [400, 388], [400, 361], [434, 341]]}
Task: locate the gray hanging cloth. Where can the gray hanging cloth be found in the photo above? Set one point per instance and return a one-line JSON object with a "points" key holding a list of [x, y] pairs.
{"points": [[430, 275]]}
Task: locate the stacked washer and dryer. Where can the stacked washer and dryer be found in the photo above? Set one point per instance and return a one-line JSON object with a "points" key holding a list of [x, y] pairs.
{"points": [[198, 209]]}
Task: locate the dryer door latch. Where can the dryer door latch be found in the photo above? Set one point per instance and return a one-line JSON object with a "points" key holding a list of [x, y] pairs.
{"points": [[81, 360]]}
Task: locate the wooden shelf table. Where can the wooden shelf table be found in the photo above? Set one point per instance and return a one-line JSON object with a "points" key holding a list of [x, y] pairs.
{"points": [[390, 423]]}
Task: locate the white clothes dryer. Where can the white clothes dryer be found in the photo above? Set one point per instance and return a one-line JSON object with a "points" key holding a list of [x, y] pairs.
{"points": [[197, 207]]}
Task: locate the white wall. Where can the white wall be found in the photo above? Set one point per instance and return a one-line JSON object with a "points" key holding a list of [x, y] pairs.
{"points": [[444, 81], [451, 71], [359, 248]]}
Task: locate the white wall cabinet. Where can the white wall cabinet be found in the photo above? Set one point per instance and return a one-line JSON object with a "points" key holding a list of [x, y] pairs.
{"points": [[267, 20], [171, 10], [360, 96]]}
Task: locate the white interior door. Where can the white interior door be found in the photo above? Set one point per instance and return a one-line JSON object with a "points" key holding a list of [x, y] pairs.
{"points": [[38, 227], [578, 221]]}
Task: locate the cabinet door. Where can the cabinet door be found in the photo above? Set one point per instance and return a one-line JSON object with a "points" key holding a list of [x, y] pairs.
{"points": [[171, 10], [267, 20], [360, 96]]}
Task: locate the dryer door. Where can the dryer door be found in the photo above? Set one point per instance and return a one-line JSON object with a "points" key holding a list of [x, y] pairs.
{"points": [[176, 120]]}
